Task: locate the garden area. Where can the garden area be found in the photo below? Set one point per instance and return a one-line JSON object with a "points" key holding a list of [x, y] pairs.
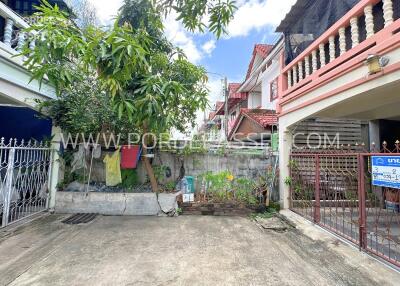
{"points": [[121, 90], [199, 183]]}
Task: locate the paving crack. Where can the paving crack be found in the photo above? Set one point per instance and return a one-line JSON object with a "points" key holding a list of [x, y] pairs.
{"points": [[125, 204]]}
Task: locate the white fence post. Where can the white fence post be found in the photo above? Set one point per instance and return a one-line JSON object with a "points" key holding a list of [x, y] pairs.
{"points": [[8, 186], [54, 166]]}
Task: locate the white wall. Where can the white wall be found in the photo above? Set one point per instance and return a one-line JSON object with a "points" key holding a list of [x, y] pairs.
{"points": [[268, 76], [254, 100]]}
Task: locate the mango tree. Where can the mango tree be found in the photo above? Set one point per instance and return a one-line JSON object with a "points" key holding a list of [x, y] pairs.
{"points": [[149, 83]]}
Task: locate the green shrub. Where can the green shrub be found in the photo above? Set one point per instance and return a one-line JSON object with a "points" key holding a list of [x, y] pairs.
{"points": [[223, 186], [130, 179]]}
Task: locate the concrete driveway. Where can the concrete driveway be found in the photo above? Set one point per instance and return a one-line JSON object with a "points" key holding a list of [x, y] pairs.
{"points": [[179, 251]]}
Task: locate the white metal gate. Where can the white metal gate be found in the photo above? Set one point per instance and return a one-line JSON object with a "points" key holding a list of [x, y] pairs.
{"points": [[24, 179]]}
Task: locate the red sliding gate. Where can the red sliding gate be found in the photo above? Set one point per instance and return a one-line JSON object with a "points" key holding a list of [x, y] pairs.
{"points": [[334, 189]]}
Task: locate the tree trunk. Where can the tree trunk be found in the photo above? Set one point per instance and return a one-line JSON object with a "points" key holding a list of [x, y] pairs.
{"points": [[150, 171], [147, 165]]}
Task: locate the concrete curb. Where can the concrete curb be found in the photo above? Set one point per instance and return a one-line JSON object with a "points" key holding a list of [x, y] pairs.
{"points": [[346, 249], [117, 204]]}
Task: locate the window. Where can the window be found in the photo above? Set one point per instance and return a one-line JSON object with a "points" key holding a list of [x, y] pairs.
{"points": [[274, 89]]}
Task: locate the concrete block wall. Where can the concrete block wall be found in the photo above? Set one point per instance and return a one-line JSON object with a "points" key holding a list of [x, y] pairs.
{"points": [[248, 166]]}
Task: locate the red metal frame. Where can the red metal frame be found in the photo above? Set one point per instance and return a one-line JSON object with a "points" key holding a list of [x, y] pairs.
{"points": [[375, 232]]}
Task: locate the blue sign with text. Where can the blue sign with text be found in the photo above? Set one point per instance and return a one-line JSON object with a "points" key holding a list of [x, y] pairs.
{"points": [[386, 171]]}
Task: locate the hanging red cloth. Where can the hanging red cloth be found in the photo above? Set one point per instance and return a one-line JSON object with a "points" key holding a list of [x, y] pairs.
{"points": [[130, 156]]}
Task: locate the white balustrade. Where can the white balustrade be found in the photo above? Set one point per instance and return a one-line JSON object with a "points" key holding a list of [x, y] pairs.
{"points": [[332, 49], [388, 12], [307, 65], [355, 34], [369, 21], [14, 37], [300, 65], [314, 61], [8, 31], [21, 41], [342, 40], [322, 56], [294, 75], [32, 45]]}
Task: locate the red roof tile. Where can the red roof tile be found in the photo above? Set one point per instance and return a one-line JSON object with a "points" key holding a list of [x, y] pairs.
{"points": [[219, 104], [263, 117], [261, 49], [234, 98], [233, 94], [212, 115]]}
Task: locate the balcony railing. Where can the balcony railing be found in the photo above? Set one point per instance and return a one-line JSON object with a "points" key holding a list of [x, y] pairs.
{"points": [[345, 44], [13, 39]]}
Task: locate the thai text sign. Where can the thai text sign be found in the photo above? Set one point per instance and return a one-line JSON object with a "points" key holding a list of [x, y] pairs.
{"points": [[386, 171]]}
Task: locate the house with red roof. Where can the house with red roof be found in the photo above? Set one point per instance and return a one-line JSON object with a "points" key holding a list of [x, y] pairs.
{"points": [[251, 104], [251, 108]]}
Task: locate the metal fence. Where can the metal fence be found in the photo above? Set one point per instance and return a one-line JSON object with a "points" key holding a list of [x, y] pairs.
{"points": [[334, 189], [24, 177]]}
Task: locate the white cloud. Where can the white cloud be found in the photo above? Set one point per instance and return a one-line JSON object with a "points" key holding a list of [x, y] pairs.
{"points": [[209, 47], [215, 85], [256, 14], [174, 30], [176, 33]]}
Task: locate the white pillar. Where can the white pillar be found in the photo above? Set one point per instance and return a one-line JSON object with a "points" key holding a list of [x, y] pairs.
{"points": [[54, 176], [32, 43], [355, 34], [314, 61], [294, 75], [322, 57], [342, 40], [300, 66], [307, 65], [21, 41], [388, 12], [289, 78], [285, 145], [369, 21], [8, 30], [332, 49]]}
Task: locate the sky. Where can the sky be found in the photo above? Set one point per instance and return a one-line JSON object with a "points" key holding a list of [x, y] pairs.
{"points": [[254, 23]]}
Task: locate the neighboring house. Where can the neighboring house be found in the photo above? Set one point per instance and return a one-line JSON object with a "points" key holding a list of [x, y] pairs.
{"points": [[27, 7], [252, 115], [236, 101], [261, 79], [17, 94], [34, 168], [251, 104], [255, 125], [211, 129]]}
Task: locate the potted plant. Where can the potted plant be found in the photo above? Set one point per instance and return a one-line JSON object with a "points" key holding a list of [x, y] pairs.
{"points": [[392, 200]]}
